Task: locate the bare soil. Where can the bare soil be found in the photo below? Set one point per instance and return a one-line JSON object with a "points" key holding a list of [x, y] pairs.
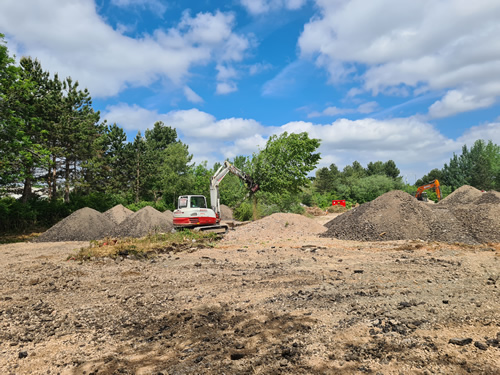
{"points": [[272, 298]]}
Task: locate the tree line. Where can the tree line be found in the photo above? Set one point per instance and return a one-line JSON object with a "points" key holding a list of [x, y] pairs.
{"points": [[51, 138], [478, 166]]}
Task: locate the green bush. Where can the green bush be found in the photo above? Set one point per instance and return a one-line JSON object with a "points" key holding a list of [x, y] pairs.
{"points": [[243, 212]]}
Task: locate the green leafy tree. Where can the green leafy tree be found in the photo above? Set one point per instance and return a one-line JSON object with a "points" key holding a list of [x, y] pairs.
{"points": [[435, 174], [157, 140], [477, 167], [376, 168], [368, 188], [174, 175], [391, 170], [283, 165]]}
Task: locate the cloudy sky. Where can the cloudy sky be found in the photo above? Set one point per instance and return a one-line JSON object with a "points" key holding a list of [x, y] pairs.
{"points": [[406, 80]]}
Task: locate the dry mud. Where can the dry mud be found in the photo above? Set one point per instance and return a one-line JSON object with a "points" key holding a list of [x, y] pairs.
{"points": [[271, 298]]}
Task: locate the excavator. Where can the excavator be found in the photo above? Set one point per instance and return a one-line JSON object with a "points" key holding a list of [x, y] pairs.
{"points": [[421, 195], [192, 211]]}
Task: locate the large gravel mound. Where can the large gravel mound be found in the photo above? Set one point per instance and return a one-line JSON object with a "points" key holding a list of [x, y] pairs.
{"points": [[86, 224], [226, 212], [145, 221], [118, 213], [395, 215], [468, 216], [463, 195], [274, 227]]}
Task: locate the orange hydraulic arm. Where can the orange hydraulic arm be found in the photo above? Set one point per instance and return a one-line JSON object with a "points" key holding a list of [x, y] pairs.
{"points": [[433, 185]]}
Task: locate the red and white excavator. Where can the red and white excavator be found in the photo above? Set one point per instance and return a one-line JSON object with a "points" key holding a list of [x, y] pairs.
{"points": [[192, 211]]}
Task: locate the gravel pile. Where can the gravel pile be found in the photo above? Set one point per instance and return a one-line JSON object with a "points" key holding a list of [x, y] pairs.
{"points": [[118, 214], [491, 197], [466, 216], [226, 212], [274, 227], [143, 222], [86, 224], [463, 195], [169, 215], [395, 215]]}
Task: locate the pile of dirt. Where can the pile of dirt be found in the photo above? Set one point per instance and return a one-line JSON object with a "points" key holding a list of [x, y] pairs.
{"points": [[274, 227], [226, 212], [463, 195], [315, 211], [395, 215], [491, 197], [145, 221], [169, 215], [466, 216], [118, 214], [86, 224]]}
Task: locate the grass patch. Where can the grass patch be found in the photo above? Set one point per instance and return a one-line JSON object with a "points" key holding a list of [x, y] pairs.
{"points": [[146, 247], [21, 236]]}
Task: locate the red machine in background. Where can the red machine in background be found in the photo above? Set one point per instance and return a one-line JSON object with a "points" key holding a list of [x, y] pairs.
{"points": [[338, 202]]}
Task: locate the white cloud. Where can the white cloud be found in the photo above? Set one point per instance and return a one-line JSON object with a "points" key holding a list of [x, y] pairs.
{"points": [[192, 96], [368, 107], [414, 144], [257, 7], [71, 39], [335, 111], [456, 102], [224, 88], [258, 68], [485, 132], [155, 5], [406, 45], [284, 80]]}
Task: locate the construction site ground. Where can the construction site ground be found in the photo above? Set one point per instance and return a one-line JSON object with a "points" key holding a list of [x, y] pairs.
{"points": [[274, 298]]}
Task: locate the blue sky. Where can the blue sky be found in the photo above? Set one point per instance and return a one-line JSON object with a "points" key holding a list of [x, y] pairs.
{"points": [[406, 80]]}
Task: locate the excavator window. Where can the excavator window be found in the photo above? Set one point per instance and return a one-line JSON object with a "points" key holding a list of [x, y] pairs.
{"points": [[198, 202]]}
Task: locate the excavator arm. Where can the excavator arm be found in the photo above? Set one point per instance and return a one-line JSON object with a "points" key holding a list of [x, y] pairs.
{"points": [[217, 178], [432, 185]]}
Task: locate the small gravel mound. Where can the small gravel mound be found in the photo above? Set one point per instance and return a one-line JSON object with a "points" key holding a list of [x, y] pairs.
{"points": [[463, 195], [395, 215], [226, 212], [118, 213], [481, 221], [143, 222], [86, 224], [491, 197], [274, 227]]}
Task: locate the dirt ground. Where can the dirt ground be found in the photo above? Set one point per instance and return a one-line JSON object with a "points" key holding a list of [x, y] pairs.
{"points": [[284, 301]]}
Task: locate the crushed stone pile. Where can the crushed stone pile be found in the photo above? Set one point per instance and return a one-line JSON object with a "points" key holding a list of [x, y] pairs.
{"points": [[274, 227], [226, 212], [468, 216], [143, 222], [169, 215], [395, 215], [491, 197], [118, 213], [463, 195], [86, 224]]}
